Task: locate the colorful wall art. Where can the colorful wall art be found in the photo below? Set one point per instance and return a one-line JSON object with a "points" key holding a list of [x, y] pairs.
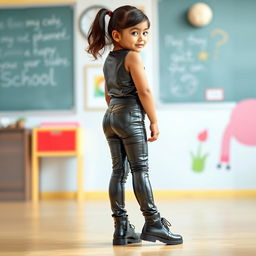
{"points": [[199, 158], [242, 127]]}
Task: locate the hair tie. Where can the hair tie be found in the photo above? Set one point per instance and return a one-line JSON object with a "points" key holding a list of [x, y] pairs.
{"points": [[110, 13]]}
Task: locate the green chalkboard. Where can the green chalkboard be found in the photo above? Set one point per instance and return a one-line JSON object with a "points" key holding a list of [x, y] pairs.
{"points": [[36, 58], [207, 64]]}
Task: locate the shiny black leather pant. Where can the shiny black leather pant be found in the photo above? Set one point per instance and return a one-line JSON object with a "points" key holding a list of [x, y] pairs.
{"points": [[124, 128]]}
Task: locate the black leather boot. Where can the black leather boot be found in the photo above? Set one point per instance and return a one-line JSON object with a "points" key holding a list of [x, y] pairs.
{"points": [[124, 232], [157, 228]]}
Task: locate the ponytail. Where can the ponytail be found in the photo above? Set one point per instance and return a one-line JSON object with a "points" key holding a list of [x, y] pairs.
{"points": [[97, 37]]}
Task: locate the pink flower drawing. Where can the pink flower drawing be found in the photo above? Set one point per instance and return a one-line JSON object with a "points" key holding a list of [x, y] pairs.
{"points": [[198, 159]]}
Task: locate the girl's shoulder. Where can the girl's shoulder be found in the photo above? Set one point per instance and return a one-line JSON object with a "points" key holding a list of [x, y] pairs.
{"points": [[133, 54], [133, 57]]}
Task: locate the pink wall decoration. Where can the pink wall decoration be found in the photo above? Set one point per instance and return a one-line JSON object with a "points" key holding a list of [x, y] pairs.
{"points": [[242, 127]]}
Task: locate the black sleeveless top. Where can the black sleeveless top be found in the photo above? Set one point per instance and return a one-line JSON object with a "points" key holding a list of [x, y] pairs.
{"points": [[118, 81]]}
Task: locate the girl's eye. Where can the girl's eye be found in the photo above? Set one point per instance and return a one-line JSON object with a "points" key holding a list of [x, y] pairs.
{"points": [[145, 33], [135, 33]]}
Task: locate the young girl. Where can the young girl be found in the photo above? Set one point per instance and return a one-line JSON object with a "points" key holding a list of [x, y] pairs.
{"points": [[128, 97]]}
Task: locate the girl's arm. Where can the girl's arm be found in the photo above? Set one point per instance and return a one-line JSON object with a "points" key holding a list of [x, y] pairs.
{"points": [[134, 65], [107, 97]]}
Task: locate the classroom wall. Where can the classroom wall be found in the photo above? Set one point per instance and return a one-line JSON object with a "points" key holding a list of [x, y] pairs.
{"points": [[184, 129]]}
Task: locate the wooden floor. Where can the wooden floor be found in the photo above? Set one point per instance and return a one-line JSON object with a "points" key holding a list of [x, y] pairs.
{"points": [[213, 227]]}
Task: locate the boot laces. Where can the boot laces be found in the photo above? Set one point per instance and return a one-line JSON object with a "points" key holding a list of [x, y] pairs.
{"points": [[166, 223], [131, 226]]}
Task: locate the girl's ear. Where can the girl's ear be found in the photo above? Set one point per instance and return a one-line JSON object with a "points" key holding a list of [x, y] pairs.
{"points": [[116, 36]]}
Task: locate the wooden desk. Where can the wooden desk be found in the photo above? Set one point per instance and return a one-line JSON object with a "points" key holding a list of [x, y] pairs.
{"points": [[51, 142], [15, 160]]}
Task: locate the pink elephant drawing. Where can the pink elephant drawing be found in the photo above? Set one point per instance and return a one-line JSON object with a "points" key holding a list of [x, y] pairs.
{"points": [[242, 127]]}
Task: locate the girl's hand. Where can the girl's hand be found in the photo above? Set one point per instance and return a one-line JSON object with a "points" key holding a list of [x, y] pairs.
{"points": [[154, 132]]}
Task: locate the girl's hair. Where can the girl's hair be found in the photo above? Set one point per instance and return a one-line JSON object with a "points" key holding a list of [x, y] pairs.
{"points": [[123, 17]]}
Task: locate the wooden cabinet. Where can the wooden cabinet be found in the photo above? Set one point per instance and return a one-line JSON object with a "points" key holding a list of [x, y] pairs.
{"points": [[15, 158]]}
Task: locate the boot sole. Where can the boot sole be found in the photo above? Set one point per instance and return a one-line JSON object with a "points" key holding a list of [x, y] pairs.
{"points": [[120, 241], [155, 238], [125, 241]]}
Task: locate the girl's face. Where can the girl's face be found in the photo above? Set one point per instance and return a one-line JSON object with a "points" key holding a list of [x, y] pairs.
{"points": [[133, 38]]}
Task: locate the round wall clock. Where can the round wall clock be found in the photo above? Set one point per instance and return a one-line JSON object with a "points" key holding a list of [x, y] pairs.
{"points": [[87, 17]]}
